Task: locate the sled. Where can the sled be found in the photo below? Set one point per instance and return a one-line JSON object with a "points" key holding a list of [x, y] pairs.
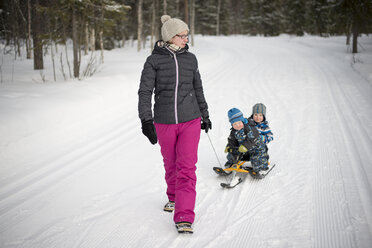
{"points": [[237, 168]]}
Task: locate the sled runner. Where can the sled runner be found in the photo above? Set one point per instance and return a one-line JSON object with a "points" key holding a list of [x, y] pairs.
{"points": [[231, 172]]}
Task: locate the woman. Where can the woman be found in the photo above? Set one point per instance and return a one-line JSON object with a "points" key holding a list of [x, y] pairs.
{"points": [[180, 111]]}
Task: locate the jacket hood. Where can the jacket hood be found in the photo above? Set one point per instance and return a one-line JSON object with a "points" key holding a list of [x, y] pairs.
{"points": [[159, 48]]}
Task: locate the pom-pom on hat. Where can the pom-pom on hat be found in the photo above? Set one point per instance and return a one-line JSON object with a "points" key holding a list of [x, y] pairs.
{"points": [[235, 115], [259, 108], [171, 27]]}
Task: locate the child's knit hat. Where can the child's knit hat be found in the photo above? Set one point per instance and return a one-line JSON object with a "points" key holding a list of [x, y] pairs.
{"points": [[259, 108], [235, 115], [171, 27]]}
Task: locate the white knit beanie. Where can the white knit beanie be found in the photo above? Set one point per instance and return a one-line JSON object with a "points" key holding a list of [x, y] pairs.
{"points": [[171, 27]]}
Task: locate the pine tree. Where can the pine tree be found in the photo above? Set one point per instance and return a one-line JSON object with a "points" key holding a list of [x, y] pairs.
{"points": [[295, 17]]}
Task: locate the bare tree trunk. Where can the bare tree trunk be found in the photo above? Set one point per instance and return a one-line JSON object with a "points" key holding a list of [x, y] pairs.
{"points": [[157, 26], [18, 46], [53, 63], [218, 18], [67, 60], [153, 23], [28, 41], [123, 40], [101, 44], [37, 41], [355, 37], [93, 39], [51, 42], [140, 25], [75, 43], [192, 24], [79, 53], [16, 2], [86, 47], [177, 7], [348, 31], [15, 28], [56, 28], [123, 36], [66, 49], [16, 23], [101, 32], [187, 11], [164, 7], [62, 68]]}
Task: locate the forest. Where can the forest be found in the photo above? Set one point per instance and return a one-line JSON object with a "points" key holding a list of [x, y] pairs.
{"points": [[33, 26]]}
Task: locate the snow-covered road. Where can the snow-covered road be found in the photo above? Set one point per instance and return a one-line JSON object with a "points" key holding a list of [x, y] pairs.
{"points": [[76, 171]]}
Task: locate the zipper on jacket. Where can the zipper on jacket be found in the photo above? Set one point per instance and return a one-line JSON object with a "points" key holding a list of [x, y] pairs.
{"points": [[177, 82], [176, 89]]}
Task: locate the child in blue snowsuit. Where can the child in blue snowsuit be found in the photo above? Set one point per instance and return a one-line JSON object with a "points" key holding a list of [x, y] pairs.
{"points": [[244, 142], [259, 118]]}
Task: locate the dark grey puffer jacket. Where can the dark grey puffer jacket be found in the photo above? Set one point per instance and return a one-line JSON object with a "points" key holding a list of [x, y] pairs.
{"points": [[176, 82]]}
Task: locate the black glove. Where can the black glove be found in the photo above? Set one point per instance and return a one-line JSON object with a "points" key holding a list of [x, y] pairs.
{"points": [[206, 124], [148, 129]]}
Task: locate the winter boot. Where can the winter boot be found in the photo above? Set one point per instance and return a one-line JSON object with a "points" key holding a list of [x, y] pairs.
{"points": [[169, 207], [247, 166], [184, 227], [228, 164], [266, 166]]}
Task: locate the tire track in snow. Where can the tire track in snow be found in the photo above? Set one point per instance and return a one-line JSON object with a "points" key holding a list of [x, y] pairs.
{"points": [[252, 188], [111, 225], [257, 87], [60, 168], [328, 216], [332, 218], [250, 216], [105, 217], [255, 224], [354, 154], [207, 210], [230, 73]]}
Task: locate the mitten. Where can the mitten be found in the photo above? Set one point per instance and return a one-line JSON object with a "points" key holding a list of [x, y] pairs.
{"points": [[228, 149], [206, 124], [242, 149], [148, 129]]}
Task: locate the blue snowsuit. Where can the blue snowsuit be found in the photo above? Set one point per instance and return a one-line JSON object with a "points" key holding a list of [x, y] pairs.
{"points": [[248, 136], [264, 130]]}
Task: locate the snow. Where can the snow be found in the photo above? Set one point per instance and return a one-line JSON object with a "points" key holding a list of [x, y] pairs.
{"points": [[76, 171]]}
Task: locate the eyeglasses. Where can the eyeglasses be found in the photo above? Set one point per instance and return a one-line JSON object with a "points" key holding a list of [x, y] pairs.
{"points": [[184, 36]]}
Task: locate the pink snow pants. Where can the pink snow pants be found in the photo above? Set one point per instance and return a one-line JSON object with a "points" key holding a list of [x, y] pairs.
{"points": [[179, 147]]}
